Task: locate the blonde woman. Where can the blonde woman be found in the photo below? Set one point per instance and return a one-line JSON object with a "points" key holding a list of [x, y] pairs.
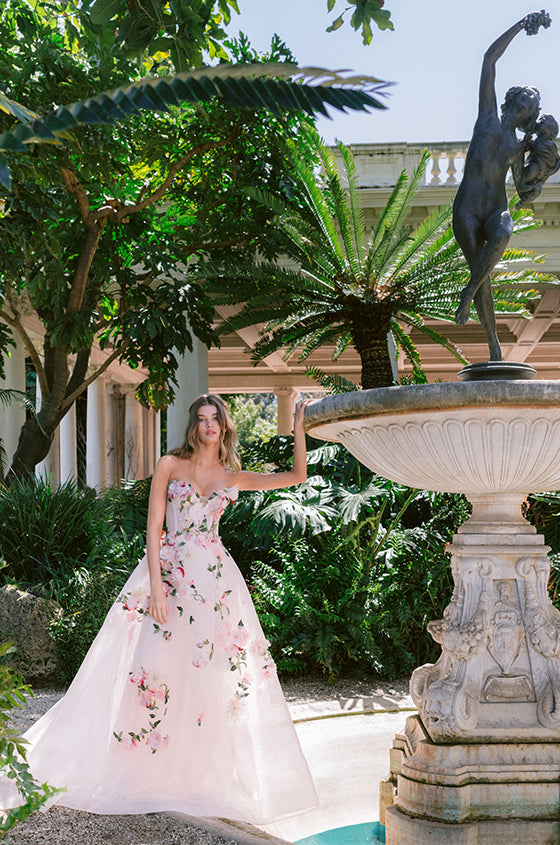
{"points": [[177, 705]]}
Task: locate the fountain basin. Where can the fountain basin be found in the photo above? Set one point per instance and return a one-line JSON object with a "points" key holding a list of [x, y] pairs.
{"points": [[470, 437]]}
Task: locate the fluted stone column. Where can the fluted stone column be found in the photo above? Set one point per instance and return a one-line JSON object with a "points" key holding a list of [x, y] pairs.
{"points": [[96, 440], [151, 439], [68, 456], [133, 449], [157, 436], [49, 467], [12, 416], [192, 380], [286, 405]]}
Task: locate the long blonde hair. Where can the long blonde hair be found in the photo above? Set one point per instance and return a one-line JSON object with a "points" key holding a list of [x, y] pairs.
{"points": [[228, 440]]}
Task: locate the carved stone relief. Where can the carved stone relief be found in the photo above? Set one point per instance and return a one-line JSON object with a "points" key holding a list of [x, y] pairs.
{"points": [[506, 639]]}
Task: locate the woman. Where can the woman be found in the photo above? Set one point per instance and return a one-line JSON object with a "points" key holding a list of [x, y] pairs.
{"points": [[177, 705], [481, 221]]}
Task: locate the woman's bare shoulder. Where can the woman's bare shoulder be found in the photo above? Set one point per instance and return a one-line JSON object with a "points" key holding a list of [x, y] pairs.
{"points": [[170, 464]]}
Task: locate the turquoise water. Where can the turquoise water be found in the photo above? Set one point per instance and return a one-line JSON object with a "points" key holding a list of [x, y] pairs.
{"points": [[371, 833]]}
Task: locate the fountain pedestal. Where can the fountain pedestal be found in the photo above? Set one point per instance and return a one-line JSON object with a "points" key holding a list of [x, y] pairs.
{"points": [[486, 749], [499, 671]]}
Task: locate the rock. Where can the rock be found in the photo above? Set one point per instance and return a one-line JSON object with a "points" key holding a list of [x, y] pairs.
{"points": [[24, 621]]}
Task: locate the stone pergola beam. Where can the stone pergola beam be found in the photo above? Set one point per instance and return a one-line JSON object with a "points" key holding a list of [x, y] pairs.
{"points": [[250, 336], [530, 332]]}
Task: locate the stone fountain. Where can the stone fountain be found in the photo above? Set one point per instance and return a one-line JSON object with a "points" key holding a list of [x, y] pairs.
{"points": [[481, 762]]}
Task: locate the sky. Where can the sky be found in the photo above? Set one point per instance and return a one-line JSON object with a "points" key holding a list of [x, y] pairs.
{"points": [[433, 56]]}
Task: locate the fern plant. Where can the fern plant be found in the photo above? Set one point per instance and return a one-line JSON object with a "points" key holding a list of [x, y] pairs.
{"points": [[315, 609]]}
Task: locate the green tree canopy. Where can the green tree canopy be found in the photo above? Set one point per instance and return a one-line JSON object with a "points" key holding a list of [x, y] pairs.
{"points": [[99, 220]]}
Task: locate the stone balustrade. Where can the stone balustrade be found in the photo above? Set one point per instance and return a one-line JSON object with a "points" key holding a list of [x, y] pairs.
{"points": [[379, 165], [446, 164]]}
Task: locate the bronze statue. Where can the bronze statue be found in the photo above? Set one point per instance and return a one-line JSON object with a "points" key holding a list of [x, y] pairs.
{"points": [[481, 221]]}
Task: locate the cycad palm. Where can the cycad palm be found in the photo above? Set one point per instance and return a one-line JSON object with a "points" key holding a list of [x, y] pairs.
{"points": [[356, 286]]}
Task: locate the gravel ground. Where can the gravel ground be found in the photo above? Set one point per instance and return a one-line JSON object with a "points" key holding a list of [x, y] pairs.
{"points": [[71, 827]]}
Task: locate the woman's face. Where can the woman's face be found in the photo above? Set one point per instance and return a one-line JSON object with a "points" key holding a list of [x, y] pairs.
{"points": [[209, 430]]}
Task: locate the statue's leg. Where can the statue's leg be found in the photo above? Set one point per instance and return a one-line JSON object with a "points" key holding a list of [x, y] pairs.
{"points": [[484, 304], [497, 232], [467, 231]]}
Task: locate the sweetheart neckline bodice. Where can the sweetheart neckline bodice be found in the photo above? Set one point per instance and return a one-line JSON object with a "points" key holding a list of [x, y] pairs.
{"points": [[199, 495]]}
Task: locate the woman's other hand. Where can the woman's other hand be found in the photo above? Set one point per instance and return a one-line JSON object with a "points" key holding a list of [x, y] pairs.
{"points": [[159, 607]]}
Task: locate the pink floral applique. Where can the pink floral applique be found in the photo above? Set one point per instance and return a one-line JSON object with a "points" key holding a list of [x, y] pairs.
{"points": [[202, 654], [156, 740], [152, 696], [134, 605]]}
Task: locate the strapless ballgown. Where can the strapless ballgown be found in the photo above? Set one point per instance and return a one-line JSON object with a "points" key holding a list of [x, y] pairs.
{"points": [[187, 716]]}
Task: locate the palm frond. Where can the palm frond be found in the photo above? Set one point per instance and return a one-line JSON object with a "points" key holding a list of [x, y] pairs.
{"points": [[387, 217], [243, 86], [418, 323], [319, 338], [290, 336], [318, 205], [422, 238], [330, 382], [341, 208], [356, 210], [342, 345], [9, 395], [403, 341], [387, 249]]}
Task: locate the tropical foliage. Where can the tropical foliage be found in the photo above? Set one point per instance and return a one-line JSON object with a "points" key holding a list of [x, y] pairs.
{"points": [[103, 211], [46, 532], [364, 13], [68, 545], [358, 286], [239, 86]]}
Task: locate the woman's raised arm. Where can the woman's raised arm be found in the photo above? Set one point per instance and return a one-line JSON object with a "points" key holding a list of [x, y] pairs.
{"points": [[275, 480]]}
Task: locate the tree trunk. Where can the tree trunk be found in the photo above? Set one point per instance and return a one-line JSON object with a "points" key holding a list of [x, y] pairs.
{"points": [[370, 326], [34, 443]]}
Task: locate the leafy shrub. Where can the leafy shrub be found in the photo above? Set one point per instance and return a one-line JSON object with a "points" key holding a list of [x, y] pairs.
{"points": [[13, 764], [92, 589], [128, 507], [74, 547], [88, 599], [45, 531], [315, 609]]}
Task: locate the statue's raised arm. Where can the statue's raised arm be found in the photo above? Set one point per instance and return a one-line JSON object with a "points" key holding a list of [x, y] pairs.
{"points": [[530, 23], [481, 221]]}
